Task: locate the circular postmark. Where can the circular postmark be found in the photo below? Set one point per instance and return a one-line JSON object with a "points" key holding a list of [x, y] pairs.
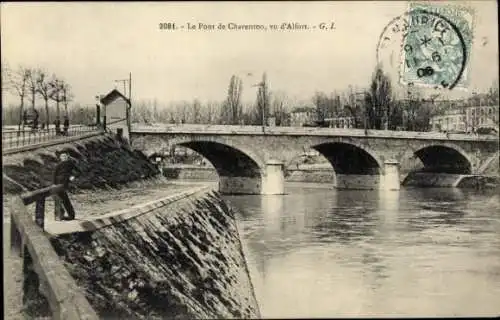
{"points": [[428, 47], [389, 42]]}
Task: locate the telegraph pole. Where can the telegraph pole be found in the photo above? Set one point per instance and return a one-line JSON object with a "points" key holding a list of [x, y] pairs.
{"points": [[129, 106], [124, 81]]}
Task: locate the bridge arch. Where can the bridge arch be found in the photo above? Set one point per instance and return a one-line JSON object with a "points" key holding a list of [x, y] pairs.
{"points": [[355, 166], [240, 171], [444, 158], [350, 158], [226, 159]]}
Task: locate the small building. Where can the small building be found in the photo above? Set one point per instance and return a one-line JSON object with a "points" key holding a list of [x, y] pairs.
{"points": [[115, 109]]}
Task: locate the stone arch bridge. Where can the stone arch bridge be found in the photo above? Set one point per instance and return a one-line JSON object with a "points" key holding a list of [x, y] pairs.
{"points": [[251, 159]]}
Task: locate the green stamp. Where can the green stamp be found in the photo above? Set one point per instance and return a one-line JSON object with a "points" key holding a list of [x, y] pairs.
{"points": [[437, 46]]}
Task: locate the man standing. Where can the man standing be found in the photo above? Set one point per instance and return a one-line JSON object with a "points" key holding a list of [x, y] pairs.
{"points": [[57, 124], [66, 125], [63, 174]]}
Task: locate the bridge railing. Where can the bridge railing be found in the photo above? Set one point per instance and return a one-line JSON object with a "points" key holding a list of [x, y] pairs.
{"points": [[20, 138], [159, 128], [45, 277]]}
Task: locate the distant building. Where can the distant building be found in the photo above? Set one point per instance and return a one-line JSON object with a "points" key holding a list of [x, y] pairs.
{"points": [[481, 116], [302, 115], [451, 121], [465, 119]]}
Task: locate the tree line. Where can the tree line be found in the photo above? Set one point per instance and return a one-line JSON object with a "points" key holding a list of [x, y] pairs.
{"points": [[373, 107], [377, 107], [231, 111], [30, 85]]}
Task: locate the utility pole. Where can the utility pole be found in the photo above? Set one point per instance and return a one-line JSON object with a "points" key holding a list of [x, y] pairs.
{"points": [[129, 108], [129, 105], [124, 81]]}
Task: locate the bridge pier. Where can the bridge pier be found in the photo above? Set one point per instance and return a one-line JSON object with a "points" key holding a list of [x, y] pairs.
{"points": [[271, 182], [390, 179]]}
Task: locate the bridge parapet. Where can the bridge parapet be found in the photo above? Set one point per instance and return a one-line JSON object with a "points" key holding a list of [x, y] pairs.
{"points": [[303, 131]]}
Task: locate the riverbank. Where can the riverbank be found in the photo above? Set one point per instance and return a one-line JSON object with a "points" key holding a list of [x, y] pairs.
{"points": [[87, 203], [179, 259]]}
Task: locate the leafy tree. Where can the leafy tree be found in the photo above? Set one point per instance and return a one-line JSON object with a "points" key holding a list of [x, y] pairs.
{"points": [[379, 100]]}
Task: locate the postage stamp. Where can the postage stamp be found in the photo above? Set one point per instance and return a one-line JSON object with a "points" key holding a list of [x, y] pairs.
{"points": [[436, 47]]}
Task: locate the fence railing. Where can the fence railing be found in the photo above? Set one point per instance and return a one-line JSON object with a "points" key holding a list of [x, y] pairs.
{"points": [[20, 138], [44, 274]]}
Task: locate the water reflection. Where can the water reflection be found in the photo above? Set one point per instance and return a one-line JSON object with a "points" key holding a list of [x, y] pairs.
{"points": [[329, 253], [437, 208]]}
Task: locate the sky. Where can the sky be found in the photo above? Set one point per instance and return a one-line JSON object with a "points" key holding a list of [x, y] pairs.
{"points": [[90, 44]]}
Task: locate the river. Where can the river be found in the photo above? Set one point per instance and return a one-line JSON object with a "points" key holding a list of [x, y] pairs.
{"points": [[321, 252]]}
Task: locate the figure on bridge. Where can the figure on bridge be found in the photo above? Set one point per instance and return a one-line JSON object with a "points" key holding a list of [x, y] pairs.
{"points": [[66, 125], [57, 124], [63, 174]]}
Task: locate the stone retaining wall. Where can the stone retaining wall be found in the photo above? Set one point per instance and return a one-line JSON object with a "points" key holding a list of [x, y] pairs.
{"points": [[101, 162], [182, 260]]}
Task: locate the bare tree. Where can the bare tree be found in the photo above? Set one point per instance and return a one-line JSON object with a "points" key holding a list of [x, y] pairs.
{"points": [[279, 108], [66, 96], [263, 98], [55, 93], [208, 113], [43, 88], [325, 106], [354, 102], [196, 111], [32, 85], [232, 108], [18, 83], [6, 73], [493, 94]]}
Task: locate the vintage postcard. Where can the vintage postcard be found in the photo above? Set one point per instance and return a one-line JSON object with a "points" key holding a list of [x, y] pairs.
{"points": [[275, 159]]}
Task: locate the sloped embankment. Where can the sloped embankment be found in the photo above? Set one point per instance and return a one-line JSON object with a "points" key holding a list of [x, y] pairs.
{"points": [[101, 162], [183, 260]]}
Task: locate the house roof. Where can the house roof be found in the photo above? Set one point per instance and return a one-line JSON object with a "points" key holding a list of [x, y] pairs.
{"points": [[112, 96]]}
